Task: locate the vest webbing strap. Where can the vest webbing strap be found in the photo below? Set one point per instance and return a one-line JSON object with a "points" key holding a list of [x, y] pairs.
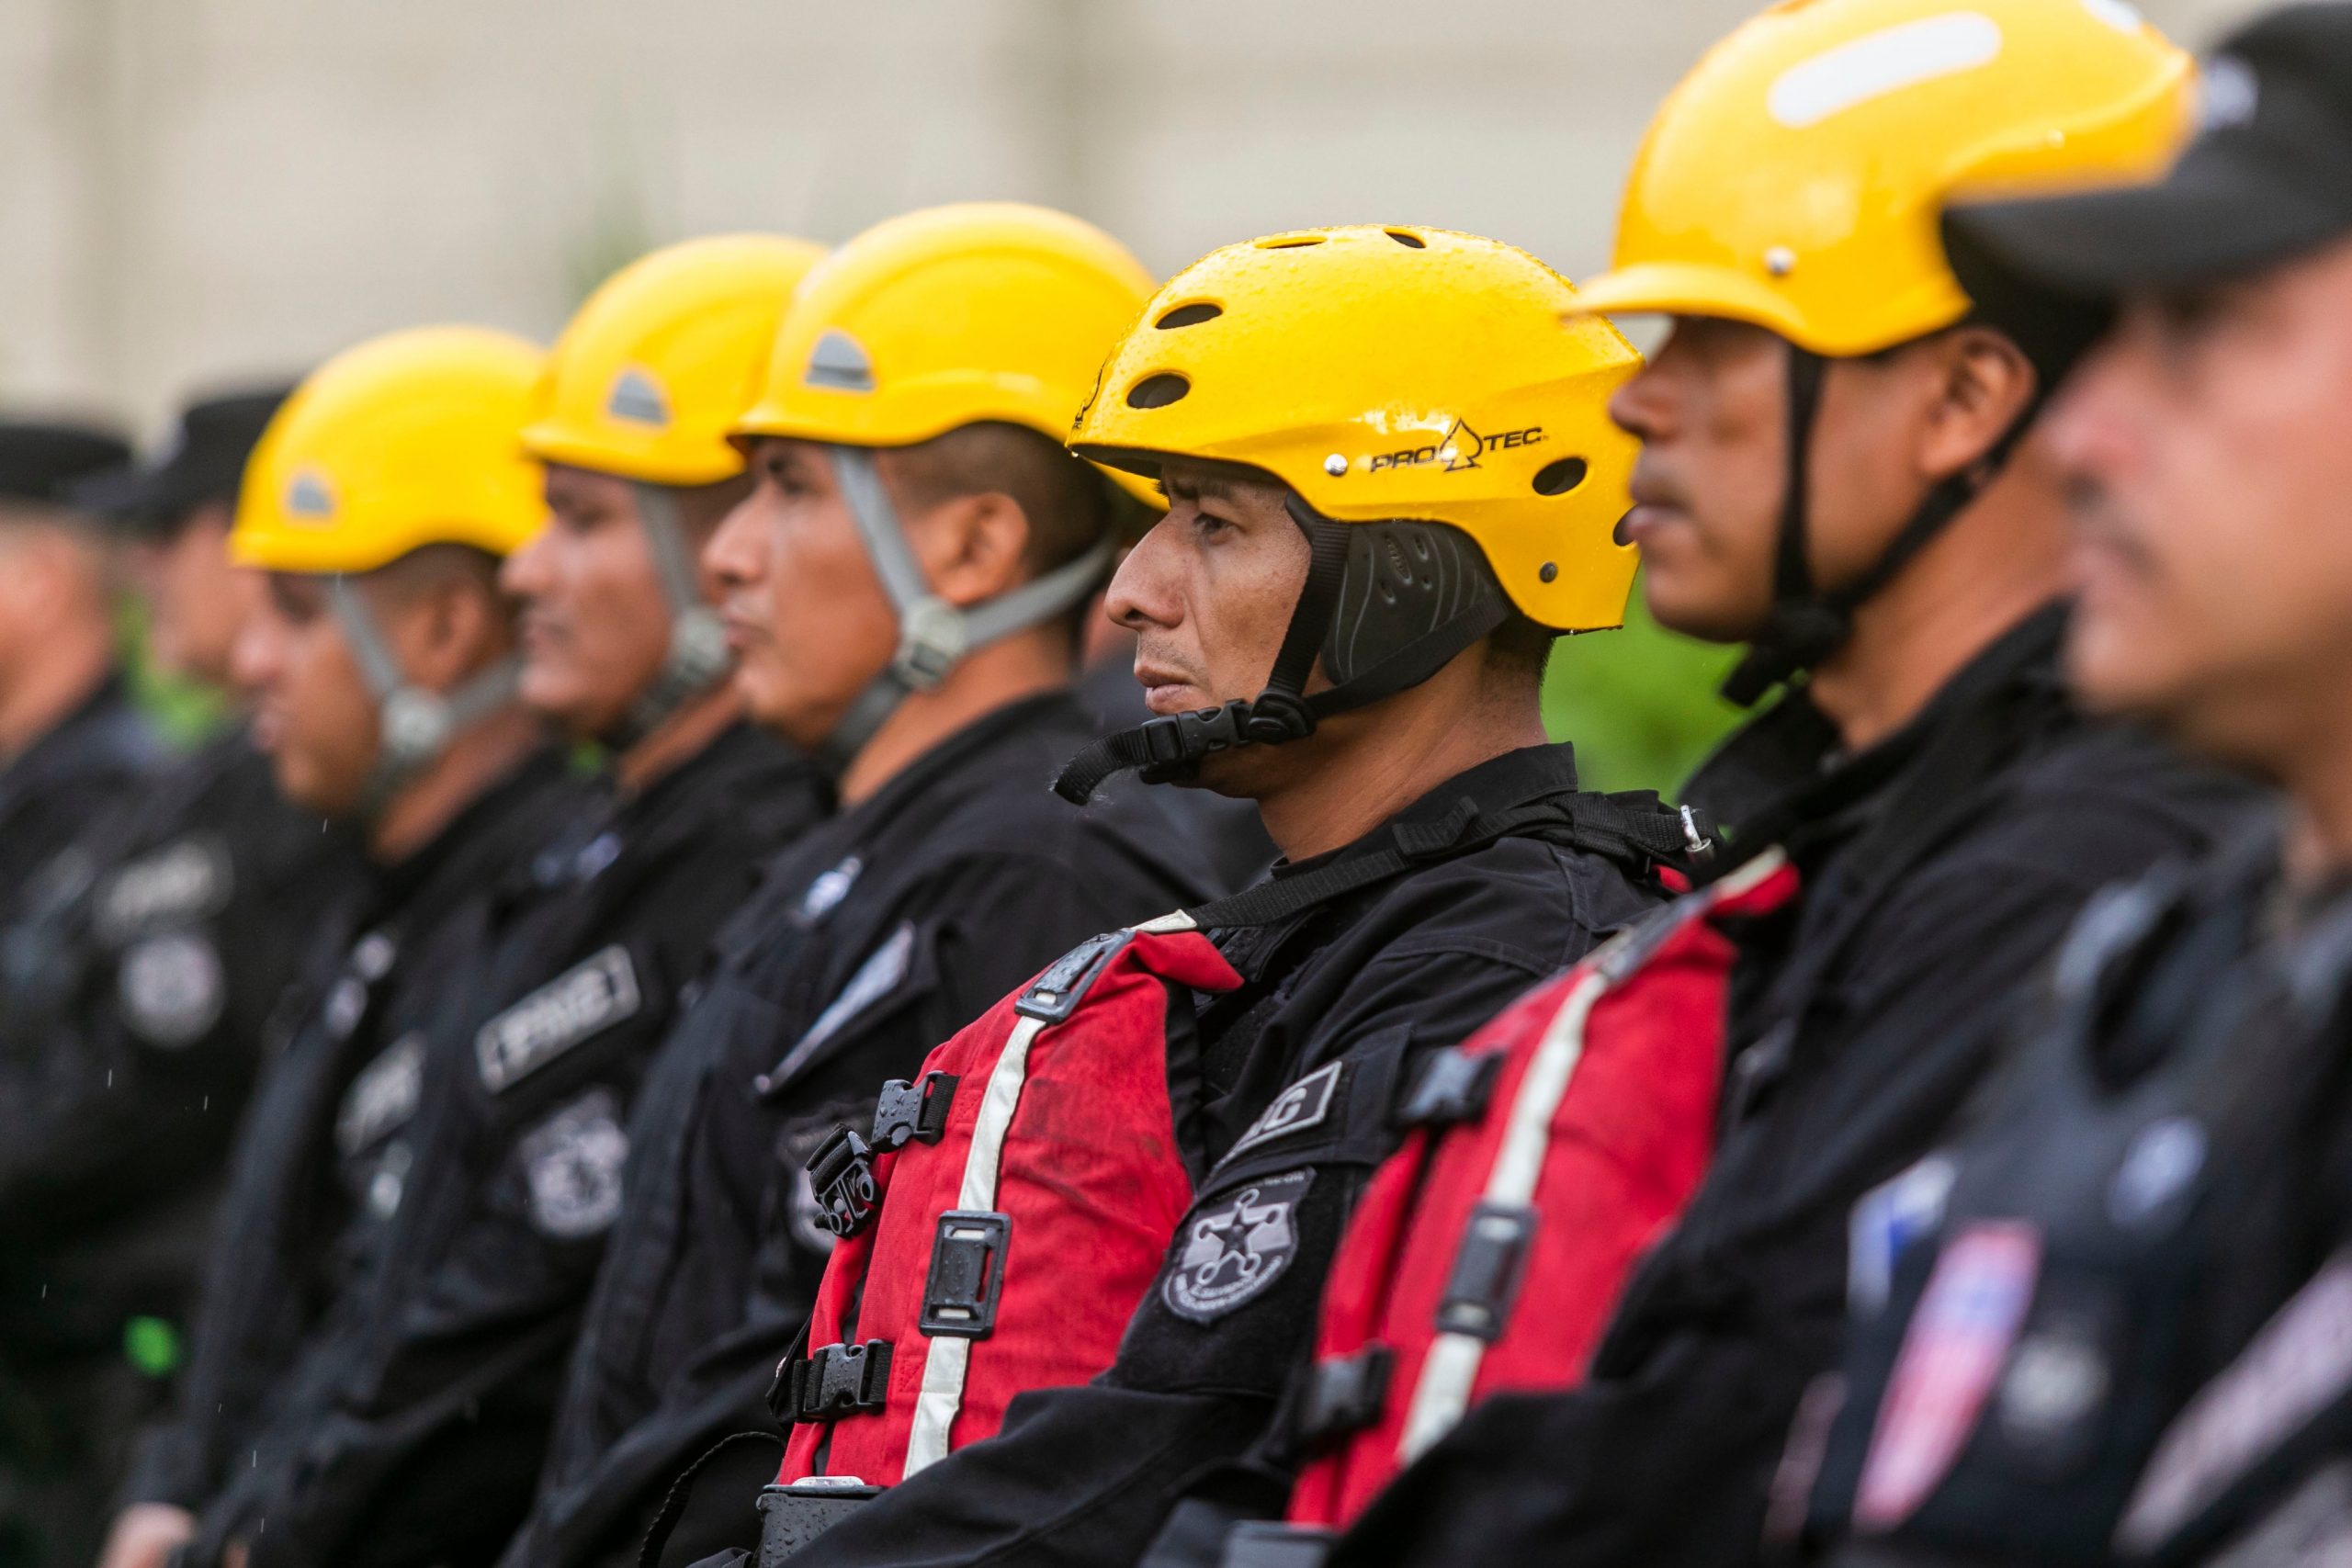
{"points": [[948, 1362], [1632, 827]]}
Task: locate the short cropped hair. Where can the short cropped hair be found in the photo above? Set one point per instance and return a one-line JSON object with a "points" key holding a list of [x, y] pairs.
{"points": [[1066, 500], [431, 567]]}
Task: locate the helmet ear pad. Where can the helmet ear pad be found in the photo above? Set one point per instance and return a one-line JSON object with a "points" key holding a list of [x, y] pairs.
{"points": [[1403, 580]]}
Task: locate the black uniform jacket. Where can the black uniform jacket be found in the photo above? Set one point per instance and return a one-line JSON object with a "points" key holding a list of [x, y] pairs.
{"points": [[1344, 1000], [876, 938], [321, 1157], [131, 1017], [2143, 1218], [413, 1428], [1940, 869], [90, 761]]}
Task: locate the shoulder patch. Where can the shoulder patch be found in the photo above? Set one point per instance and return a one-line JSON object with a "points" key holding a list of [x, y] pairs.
{"points": [[1958, 1341], [572, 1164], [383, 1097], [173, 988], [1305, 1104], [1235, 1248], [592, 995]]}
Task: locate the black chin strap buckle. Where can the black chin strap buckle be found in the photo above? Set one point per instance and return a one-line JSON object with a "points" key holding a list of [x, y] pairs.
{"points": [[1174, 743], [1166, 750], [1797, 635], [1278, 718]]}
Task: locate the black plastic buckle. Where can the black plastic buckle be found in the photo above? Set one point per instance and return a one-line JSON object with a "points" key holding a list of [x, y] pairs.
{"points": [[794, 1514], [1197, 733], [1454, 1088], [831, 1382], [1487, 1271], [842, 1172], [1345, 1395], [1274, 1543], [1055, 994], [907, 1110], [960, 1296]]}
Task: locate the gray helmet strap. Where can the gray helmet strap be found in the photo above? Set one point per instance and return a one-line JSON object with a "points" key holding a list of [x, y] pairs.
{"points": [[413, 724], [933, 635], [696, 658]]}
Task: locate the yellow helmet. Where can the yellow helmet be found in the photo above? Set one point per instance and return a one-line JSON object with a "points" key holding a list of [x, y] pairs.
{"points": [[1394, 372], [946, 317], [989, 311], [1794, 179], [649, 378], [1446, 444], [406, 440]]}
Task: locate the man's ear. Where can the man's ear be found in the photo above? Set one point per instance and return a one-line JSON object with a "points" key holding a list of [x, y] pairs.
{"points": [[1986, 385], [973, 546], [451, 628]]}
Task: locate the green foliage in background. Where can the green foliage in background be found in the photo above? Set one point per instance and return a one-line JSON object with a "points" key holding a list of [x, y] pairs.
{"points": [[1639, 702], [186, 711]]}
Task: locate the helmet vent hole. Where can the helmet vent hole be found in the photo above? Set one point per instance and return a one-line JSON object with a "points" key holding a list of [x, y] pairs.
{"points": [[1407, 238], [1558, 479], [1288, 241], [1158, 392], [1189, 316]]}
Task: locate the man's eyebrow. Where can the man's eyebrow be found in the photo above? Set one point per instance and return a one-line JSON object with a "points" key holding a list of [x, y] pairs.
{"points": [[1200, 487]]}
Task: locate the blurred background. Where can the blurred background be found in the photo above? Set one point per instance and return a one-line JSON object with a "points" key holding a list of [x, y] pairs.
{"points": [[196, 193]]}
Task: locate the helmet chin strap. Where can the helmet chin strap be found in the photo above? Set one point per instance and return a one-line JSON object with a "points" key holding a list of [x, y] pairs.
{"points": [[1172, 747], [1805, 624], [414, 725], [696, 658], [933, 635]]}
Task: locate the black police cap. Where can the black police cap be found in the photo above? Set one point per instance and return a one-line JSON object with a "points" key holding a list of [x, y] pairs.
{"points": [[41, 460], [201, 463], [2268, 178]]}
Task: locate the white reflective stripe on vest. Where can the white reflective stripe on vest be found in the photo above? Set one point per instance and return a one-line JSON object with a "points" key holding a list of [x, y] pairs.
{"points": [[944, 1366], [1451, 1368]]}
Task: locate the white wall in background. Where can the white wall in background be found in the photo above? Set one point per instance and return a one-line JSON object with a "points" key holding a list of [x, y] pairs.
{"points": [[195, 191]]}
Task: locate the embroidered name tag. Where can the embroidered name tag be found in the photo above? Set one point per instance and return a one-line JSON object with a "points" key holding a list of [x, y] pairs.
{"points": [[2297, 1364], [185, 882], [1303, 1105], [383, 1097], [591, 996], [875, 978]]}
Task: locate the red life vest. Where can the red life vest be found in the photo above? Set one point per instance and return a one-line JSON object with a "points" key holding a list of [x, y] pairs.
{"points": [[1038, 1148], [1548, 1151], [905, 1364]]}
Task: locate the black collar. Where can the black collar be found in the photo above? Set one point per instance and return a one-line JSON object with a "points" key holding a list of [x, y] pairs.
{"points": [[963, 753], [487, 833], [1515, 778], [1787, 767]]}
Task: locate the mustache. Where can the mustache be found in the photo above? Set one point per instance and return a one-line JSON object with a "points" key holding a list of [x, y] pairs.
{"points": [[1652, 486], [1165, 665], [2092, 508], [2097, 517]]}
